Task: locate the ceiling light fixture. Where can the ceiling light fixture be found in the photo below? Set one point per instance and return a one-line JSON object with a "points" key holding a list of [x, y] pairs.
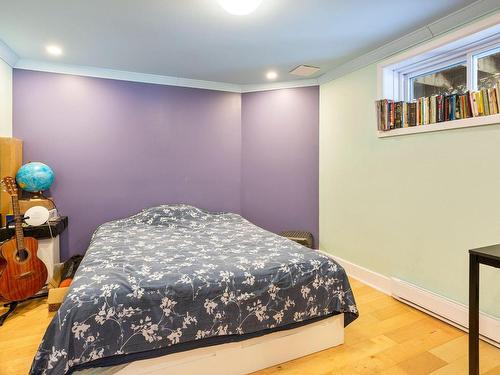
{"points": [[54, 50], [271, 75], [240, 7]]}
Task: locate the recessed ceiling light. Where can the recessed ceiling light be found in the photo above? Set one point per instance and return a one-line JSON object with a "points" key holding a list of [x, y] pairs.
{"points": [[271, 75], [54, 50], [239, 7]]}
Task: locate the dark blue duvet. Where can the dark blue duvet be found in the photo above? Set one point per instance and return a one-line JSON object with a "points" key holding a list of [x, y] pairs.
{"points": [[177, 274]]}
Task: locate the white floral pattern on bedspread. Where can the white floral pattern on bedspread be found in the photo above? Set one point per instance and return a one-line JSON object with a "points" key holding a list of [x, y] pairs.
{"points": [[175, 273]]}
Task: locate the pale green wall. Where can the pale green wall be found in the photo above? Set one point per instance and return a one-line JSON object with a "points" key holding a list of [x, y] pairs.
{"points": [[408, 206], [5, 99]]}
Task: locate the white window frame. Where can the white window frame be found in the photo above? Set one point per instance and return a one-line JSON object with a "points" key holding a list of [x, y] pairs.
{"points": [[467, 55], [466, 45], [473, 58], [434, 67]]}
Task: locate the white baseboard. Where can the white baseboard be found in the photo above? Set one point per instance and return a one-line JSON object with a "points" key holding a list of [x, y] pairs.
{"points": [[366, 276], [429, 302], [445, 309]]}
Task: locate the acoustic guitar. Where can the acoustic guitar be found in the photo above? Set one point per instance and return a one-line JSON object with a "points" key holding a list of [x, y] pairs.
{"points": [[22, 273]]}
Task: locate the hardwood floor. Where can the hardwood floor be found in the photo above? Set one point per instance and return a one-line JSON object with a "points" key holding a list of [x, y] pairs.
{"points": [[389, 338]]}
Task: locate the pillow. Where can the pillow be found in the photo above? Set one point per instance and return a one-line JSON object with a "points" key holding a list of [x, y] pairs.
{"points": [[174, 215]]}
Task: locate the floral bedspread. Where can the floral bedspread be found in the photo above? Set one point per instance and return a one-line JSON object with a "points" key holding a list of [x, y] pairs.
{"points": [[175, 273]]}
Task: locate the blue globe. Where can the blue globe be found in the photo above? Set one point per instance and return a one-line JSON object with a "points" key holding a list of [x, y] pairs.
{"points": [[35, 177]]}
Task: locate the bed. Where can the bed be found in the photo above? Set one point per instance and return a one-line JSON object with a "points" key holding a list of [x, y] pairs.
{"points": [[173, 281]]}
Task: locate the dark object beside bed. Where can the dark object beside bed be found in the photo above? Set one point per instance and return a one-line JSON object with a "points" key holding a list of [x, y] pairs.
{"points": [[175, 275], [304, 238]]}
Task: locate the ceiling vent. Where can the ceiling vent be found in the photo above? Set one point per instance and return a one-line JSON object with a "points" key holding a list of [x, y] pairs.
{"points": [[304, 70]]}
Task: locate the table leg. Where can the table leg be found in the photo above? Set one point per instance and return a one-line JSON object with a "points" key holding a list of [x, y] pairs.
{"points": [[473, 315]]}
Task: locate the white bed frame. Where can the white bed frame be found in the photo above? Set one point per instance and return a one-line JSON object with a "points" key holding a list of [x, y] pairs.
{"points": [[240, 357]]}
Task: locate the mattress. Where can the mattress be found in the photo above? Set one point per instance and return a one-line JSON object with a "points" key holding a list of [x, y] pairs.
{"points": [[176, 276]]}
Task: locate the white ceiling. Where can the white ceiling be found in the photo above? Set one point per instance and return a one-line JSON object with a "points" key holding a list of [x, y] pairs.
{"points": [[197, 39]]}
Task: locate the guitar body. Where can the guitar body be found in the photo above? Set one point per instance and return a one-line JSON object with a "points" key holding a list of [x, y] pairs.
{"points": [[22, 273], [3, 264]]}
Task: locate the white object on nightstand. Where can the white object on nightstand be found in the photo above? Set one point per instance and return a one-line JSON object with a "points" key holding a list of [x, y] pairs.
{"points": [[48, 252], [36, 215]]}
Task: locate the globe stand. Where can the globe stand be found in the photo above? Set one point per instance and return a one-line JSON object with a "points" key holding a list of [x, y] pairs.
{"points": [[36, 199], [37, 195]]}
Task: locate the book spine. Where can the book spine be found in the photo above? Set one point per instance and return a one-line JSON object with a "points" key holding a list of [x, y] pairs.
{"points": [[439, 108], [418, 114], [486, 106], [412, 121], [398, 123], [392, 111], [433, 109], [446, 108], [377, 112], [475, 104], [405, 115], [422, 111], [388, 115], [462, 106], [495, 100], [497, 86], [470, 109], [479, 99], [427, 110], [492, 101], [381, 115], [458, 107], [453, 104]]}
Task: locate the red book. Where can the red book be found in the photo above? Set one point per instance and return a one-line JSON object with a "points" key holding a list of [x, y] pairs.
{"points": [[446, 108]]}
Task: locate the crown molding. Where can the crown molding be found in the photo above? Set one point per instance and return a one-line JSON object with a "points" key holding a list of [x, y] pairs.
{"points": [[7, 54], [279, 85], [486, 11], [88, 71], [122, 75], [463, 16]]}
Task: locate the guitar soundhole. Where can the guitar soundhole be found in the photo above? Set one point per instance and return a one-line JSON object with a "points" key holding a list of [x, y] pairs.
{"points": [[22, 255]]}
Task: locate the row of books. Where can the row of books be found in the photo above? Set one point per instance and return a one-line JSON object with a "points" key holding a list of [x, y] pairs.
{"points": [[437, 108]]}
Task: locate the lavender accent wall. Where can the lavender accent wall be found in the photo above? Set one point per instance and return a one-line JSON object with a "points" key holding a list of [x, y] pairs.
{"points": [[117, 147], [280, 159]]}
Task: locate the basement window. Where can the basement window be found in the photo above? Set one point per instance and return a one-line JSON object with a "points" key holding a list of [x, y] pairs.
{"points": [[462, 61], [473, 67], [445, 81]]}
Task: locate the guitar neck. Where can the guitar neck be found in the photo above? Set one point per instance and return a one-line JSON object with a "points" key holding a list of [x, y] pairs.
{"points": [[18, 220]]}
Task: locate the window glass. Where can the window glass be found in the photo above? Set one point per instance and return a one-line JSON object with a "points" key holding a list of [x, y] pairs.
{"points": [[488, 71], [449, 80]]}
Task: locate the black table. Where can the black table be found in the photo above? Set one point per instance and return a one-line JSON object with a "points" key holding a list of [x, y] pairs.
{"points": [[489, 255], [39, 232]]}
